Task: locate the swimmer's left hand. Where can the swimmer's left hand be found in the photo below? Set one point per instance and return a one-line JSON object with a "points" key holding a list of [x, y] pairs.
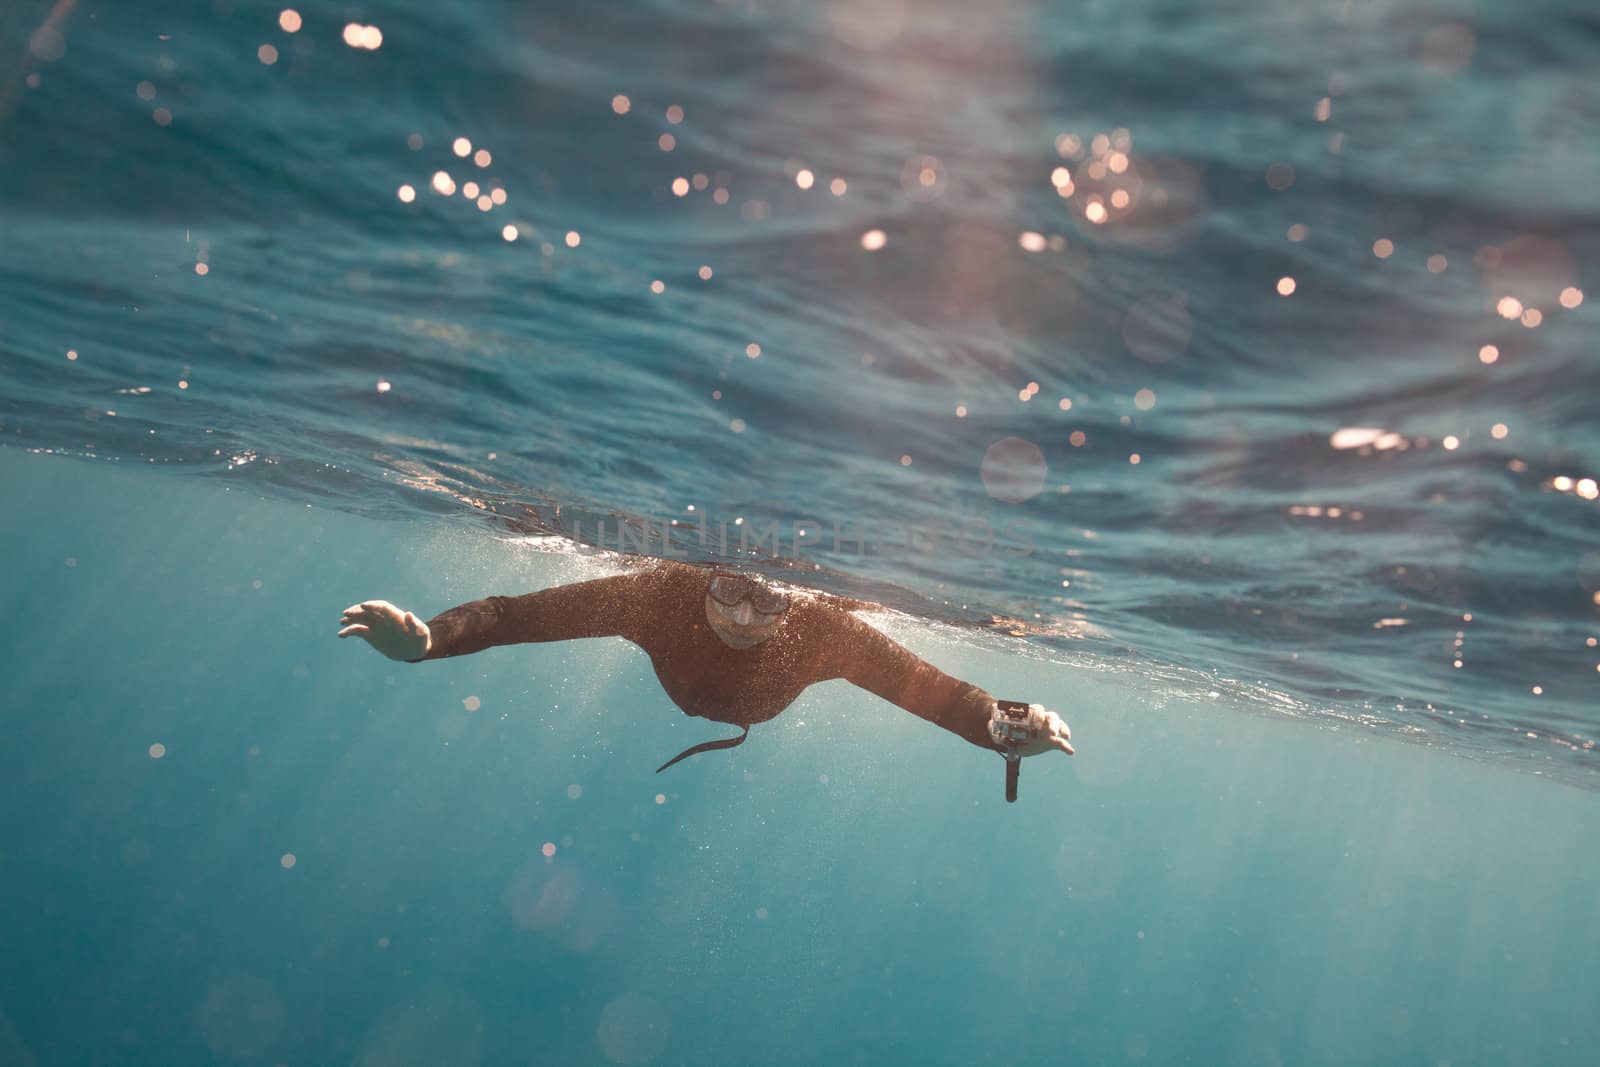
{"points": [[398, 634]]}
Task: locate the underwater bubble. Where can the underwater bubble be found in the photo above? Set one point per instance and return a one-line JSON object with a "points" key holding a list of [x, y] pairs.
{"points": [[868, 26], [435, 1028], [1013, 470], [1158, 329], [633, 1029], [47, 44], [240, 1017]]}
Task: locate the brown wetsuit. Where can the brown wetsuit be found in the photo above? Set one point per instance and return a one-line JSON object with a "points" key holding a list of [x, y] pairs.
{"points": [[662, 610]]}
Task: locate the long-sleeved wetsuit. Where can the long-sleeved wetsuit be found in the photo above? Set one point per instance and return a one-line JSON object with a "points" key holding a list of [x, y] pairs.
{"points": [[662, 610]]}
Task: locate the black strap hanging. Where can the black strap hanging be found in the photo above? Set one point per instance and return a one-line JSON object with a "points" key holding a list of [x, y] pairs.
{"points": [[705, 746]]}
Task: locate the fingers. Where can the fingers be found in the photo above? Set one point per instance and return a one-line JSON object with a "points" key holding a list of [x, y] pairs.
{"points": [[353, 631], [1055, 724], [373, 611], [1061, 735]]}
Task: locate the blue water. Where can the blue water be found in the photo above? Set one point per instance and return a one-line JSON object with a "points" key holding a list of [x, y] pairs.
{"points": [[1221, 376]]}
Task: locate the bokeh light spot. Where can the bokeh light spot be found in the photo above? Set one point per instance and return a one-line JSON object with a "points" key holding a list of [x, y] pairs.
{"points": [[632, 1030], [1013, 470], [1448, 48]]}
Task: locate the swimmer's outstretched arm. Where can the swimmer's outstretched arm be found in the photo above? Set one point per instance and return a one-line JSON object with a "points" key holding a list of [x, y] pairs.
{"points": [[865, 657], [861, 655], [601, 607]]}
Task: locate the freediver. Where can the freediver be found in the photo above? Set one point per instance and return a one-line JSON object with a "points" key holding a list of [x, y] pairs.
{"points": [[726, 646]]}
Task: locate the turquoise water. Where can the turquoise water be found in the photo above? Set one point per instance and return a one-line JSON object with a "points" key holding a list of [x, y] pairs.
{"points": [[1199, 885], [1220, 376]]}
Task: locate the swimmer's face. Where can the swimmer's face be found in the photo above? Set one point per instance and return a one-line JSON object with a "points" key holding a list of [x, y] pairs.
{"points": [[741, 626]]}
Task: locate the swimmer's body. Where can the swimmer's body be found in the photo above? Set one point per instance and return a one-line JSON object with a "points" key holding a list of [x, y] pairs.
{"points": [[725, 646]]}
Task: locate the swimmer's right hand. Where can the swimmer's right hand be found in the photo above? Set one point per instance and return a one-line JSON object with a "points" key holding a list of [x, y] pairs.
{"points": [[397, 634]]}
